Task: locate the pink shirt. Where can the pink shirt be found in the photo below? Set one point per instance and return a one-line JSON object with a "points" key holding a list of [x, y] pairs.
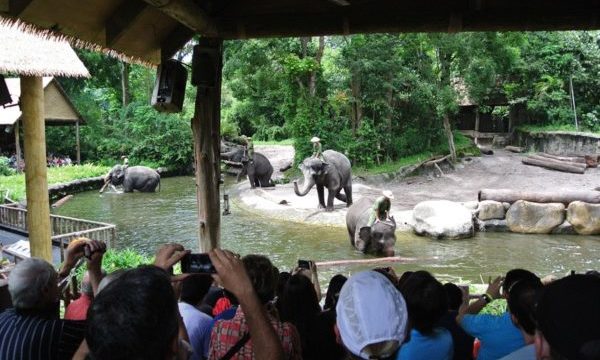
{"points": [[77, 310]]}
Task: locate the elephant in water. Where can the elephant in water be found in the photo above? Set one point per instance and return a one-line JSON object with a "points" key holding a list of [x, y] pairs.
{"points": [[379, 238], [259, 171], [140, 178], [334, 172]]}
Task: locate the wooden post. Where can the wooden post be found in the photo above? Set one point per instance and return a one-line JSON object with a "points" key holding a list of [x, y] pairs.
{"points": [[476, 125], [38, 208], [77, 142], [18, 146], [206, 132]]}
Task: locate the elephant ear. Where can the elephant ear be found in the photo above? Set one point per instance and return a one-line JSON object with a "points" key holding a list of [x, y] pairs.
{"points": [[325, 167], [364, 235]]}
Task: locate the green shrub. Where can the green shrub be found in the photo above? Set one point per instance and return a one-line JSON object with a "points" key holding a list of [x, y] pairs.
{"points": [[5, 170]]}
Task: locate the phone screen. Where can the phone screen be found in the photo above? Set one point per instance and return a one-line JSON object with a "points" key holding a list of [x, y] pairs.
{"points": [[197, 263]]}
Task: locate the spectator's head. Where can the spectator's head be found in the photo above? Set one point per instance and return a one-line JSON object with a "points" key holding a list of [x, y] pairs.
{"points": [[262, 275], [426, 301], [299, 300], [371, 316], [134, 317], [521, 303], [568, 314], [405, 275], [333, 291], [33, 286], [281, 282], [514, 275], [194, 288], [454, 295], [110, 278]]}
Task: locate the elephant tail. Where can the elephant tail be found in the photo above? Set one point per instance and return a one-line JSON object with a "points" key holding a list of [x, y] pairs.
{"points": [[159, 184]]}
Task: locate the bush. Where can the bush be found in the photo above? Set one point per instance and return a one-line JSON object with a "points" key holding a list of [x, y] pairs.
{"points": [[5, 169], [118, 259]]}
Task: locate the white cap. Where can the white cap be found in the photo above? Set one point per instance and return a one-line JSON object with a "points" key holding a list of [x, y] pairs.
{"points": [[370, 310], [315, 139], [388, 194]]}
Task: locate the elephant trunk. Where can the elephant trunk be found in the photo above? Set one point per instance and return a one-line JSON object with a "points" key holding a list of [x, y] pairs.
{"points": [[308, 184]]}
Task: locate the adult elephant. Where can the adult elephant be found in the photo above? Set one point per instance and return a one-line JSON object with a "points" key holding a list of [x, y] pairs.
{"points": [[334, 172], [378, 239], [259, 171], [140, 178]]}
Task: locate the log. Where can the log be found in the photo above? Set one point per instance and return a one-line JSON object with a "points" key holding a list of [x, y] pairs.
{"points": [[591, 160], [285, 167], [559, 162], [548, 164], [62, 201], [366, 261], [232, 163], [515, 149], [486, 150], [562, 196], [573, 159]]}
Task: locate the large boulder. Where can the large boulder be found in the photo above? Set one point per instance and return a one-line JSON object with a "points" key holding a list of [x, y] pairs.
{"points": [[490, 209], [442, 219], [534, 218], [584, 217]]}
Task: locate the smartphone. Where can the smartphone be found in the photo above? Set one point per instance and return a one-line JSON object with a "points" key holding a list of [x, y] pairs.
{"points": [[303, 264], [197, 263]]}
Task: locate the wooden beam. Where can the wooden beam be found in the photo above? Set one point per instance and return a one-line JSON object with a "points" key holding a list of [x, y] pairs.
{"points": [[175, 41], [36, 183], [16, 7], [188, 13], [77, 143], [206, 132], [16, 129], [122, 19]]}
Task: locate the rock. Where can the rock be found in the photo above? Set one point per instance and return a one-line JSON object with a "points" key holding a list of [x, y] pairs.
{"points": [[564, 229], [490, 209], [584, 217], [534, 218], [493, 225], [506, 206], [471, 205], [442, 219]]}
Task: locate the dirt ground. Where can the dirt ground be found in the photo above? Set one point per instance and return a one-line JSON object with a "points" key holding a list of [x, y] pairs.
{"points": [[503, 170]]}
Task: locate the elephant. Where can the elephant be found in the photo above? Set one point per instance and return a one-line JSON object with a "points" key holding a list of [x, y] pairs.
{"points": [[140, 178], [379, 238], [334, 172], [258, 171]]}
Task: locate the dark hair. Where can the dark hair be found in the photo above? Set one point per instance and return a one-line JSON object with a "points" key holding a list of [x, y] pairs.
{"points": [[405, 275], [521, 303], [134, 317], [281, 281], [514, 275], [262, 275], [194, 288], [426, 300], [333, 291], [454, 295]]}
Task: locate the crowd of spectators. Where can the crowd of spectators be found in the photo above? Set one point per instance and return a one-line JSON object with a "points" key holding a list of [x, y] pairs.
{"points": [[52, 160], [251, 310]]}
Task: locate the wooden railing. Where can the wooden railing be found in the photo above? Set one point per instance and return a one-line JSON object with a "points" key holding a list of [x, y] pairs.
{"points": [[64, 228]]}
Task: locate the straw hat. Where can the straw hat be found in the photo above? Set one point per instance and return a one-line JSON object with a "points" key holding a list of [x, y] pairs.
{"points": [[315, 139], [388, 194]]}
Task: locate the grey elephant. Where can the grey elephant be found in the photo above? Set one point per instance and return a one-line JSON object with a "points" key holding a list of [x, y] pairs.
{"points": [[334, 172], [140, 178], [259, 170], [379, 238]]}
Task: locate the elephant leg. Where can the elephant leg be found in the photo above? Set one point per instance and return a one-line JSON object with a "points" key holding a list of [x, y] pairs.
{"points": [[321, 193], [348, 192], [330, 197], [341, 196]]}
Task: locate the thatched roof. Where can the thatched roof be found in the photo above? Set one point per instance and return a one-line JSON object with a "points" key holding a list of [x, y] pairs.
{"points": [[58, 109], [26, 53]]}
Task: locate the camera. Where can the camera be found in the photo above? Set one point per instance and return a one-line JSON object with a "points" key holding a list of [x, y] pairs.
{"points": [[304, 264], [197, 263]]}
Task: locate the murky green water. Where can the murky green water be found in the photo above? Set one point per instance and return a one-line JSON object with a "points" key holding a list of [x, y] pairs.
{"points": [[144, 221]]}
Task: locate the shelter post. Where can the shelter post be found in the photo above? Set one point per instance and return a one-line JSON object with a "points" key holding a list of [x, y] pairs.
{"points": [[77, 142], [16, 129], [206, 123], [38, 209]]}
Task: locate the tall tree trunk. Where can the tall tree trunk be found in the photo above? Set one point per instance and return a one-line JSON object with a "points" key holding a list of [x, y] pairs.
{"points": [[448, 131], [444, 59], [125, 83], [312, 83], [356, 107]]}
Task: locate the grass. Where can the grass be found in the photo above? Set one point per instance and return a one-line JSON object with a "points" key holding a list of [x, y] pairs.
{"points": [[550, 127], [15, 184]]}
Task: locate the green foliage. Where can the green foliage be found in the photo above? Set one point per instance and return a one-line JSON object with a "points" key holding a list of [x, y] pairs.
{"points": [[496, 307], [118, 259], [5, 170]]}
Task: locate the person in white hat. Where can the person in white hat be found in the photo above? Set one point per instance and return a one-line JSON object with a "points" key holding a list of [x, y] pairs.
{"points": [[381, 208], [372, 318], [317, 148]]}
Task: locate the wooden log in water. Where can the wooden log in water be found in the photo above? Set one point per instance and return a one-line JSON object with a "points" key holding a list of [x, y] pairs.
{"points": [[515, 149], [554, 165], [563, 196], [62, 201], [390, 259]]}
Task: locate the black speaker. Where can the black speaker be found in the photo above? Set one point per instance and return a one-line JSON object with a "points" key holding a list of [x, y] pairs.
{"points": [[169, 89], [205, 62], [4, 94]]}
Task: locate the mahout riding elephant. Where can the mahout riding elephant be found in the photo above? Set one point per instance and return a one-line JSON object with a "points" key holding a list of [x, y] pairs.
{"points": [[333, 172], [140, 178], [259, 170], [379, 238]]}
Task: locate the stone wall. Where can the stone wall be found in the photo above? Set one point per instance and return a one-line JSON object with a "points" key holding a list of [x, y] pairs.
{"points": [[558, 142]]}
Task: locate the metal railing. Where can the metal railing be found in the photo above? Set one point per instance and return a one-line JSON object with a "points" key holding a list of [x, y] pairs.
{"points": [[63, 228]]}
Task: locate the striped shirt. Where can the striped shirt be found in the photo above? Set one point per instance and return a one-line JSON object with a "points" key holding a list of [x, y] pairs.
{"points": [[29, 337]]}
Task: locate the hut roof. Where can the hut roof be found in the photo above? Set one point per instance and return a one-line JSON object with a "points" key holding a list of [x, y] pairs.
{"points": [[58, 109], [25, 52], [149, 30]]}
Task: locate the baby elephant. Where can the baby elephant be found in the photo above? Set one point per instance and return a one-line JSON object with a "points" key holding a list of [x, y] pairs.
{"points": [[379, 238], [140, 178]]}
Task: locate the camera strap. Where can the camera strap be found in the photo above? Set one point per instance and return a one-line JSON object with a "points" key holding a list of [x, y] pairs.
{"points": [[236, 347]]}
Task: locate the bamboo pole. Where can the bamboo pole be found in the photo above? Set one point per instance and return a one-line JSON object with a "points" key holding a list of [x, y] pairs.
{"points": [[36, 183], [77, 143], [18, 146]]}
